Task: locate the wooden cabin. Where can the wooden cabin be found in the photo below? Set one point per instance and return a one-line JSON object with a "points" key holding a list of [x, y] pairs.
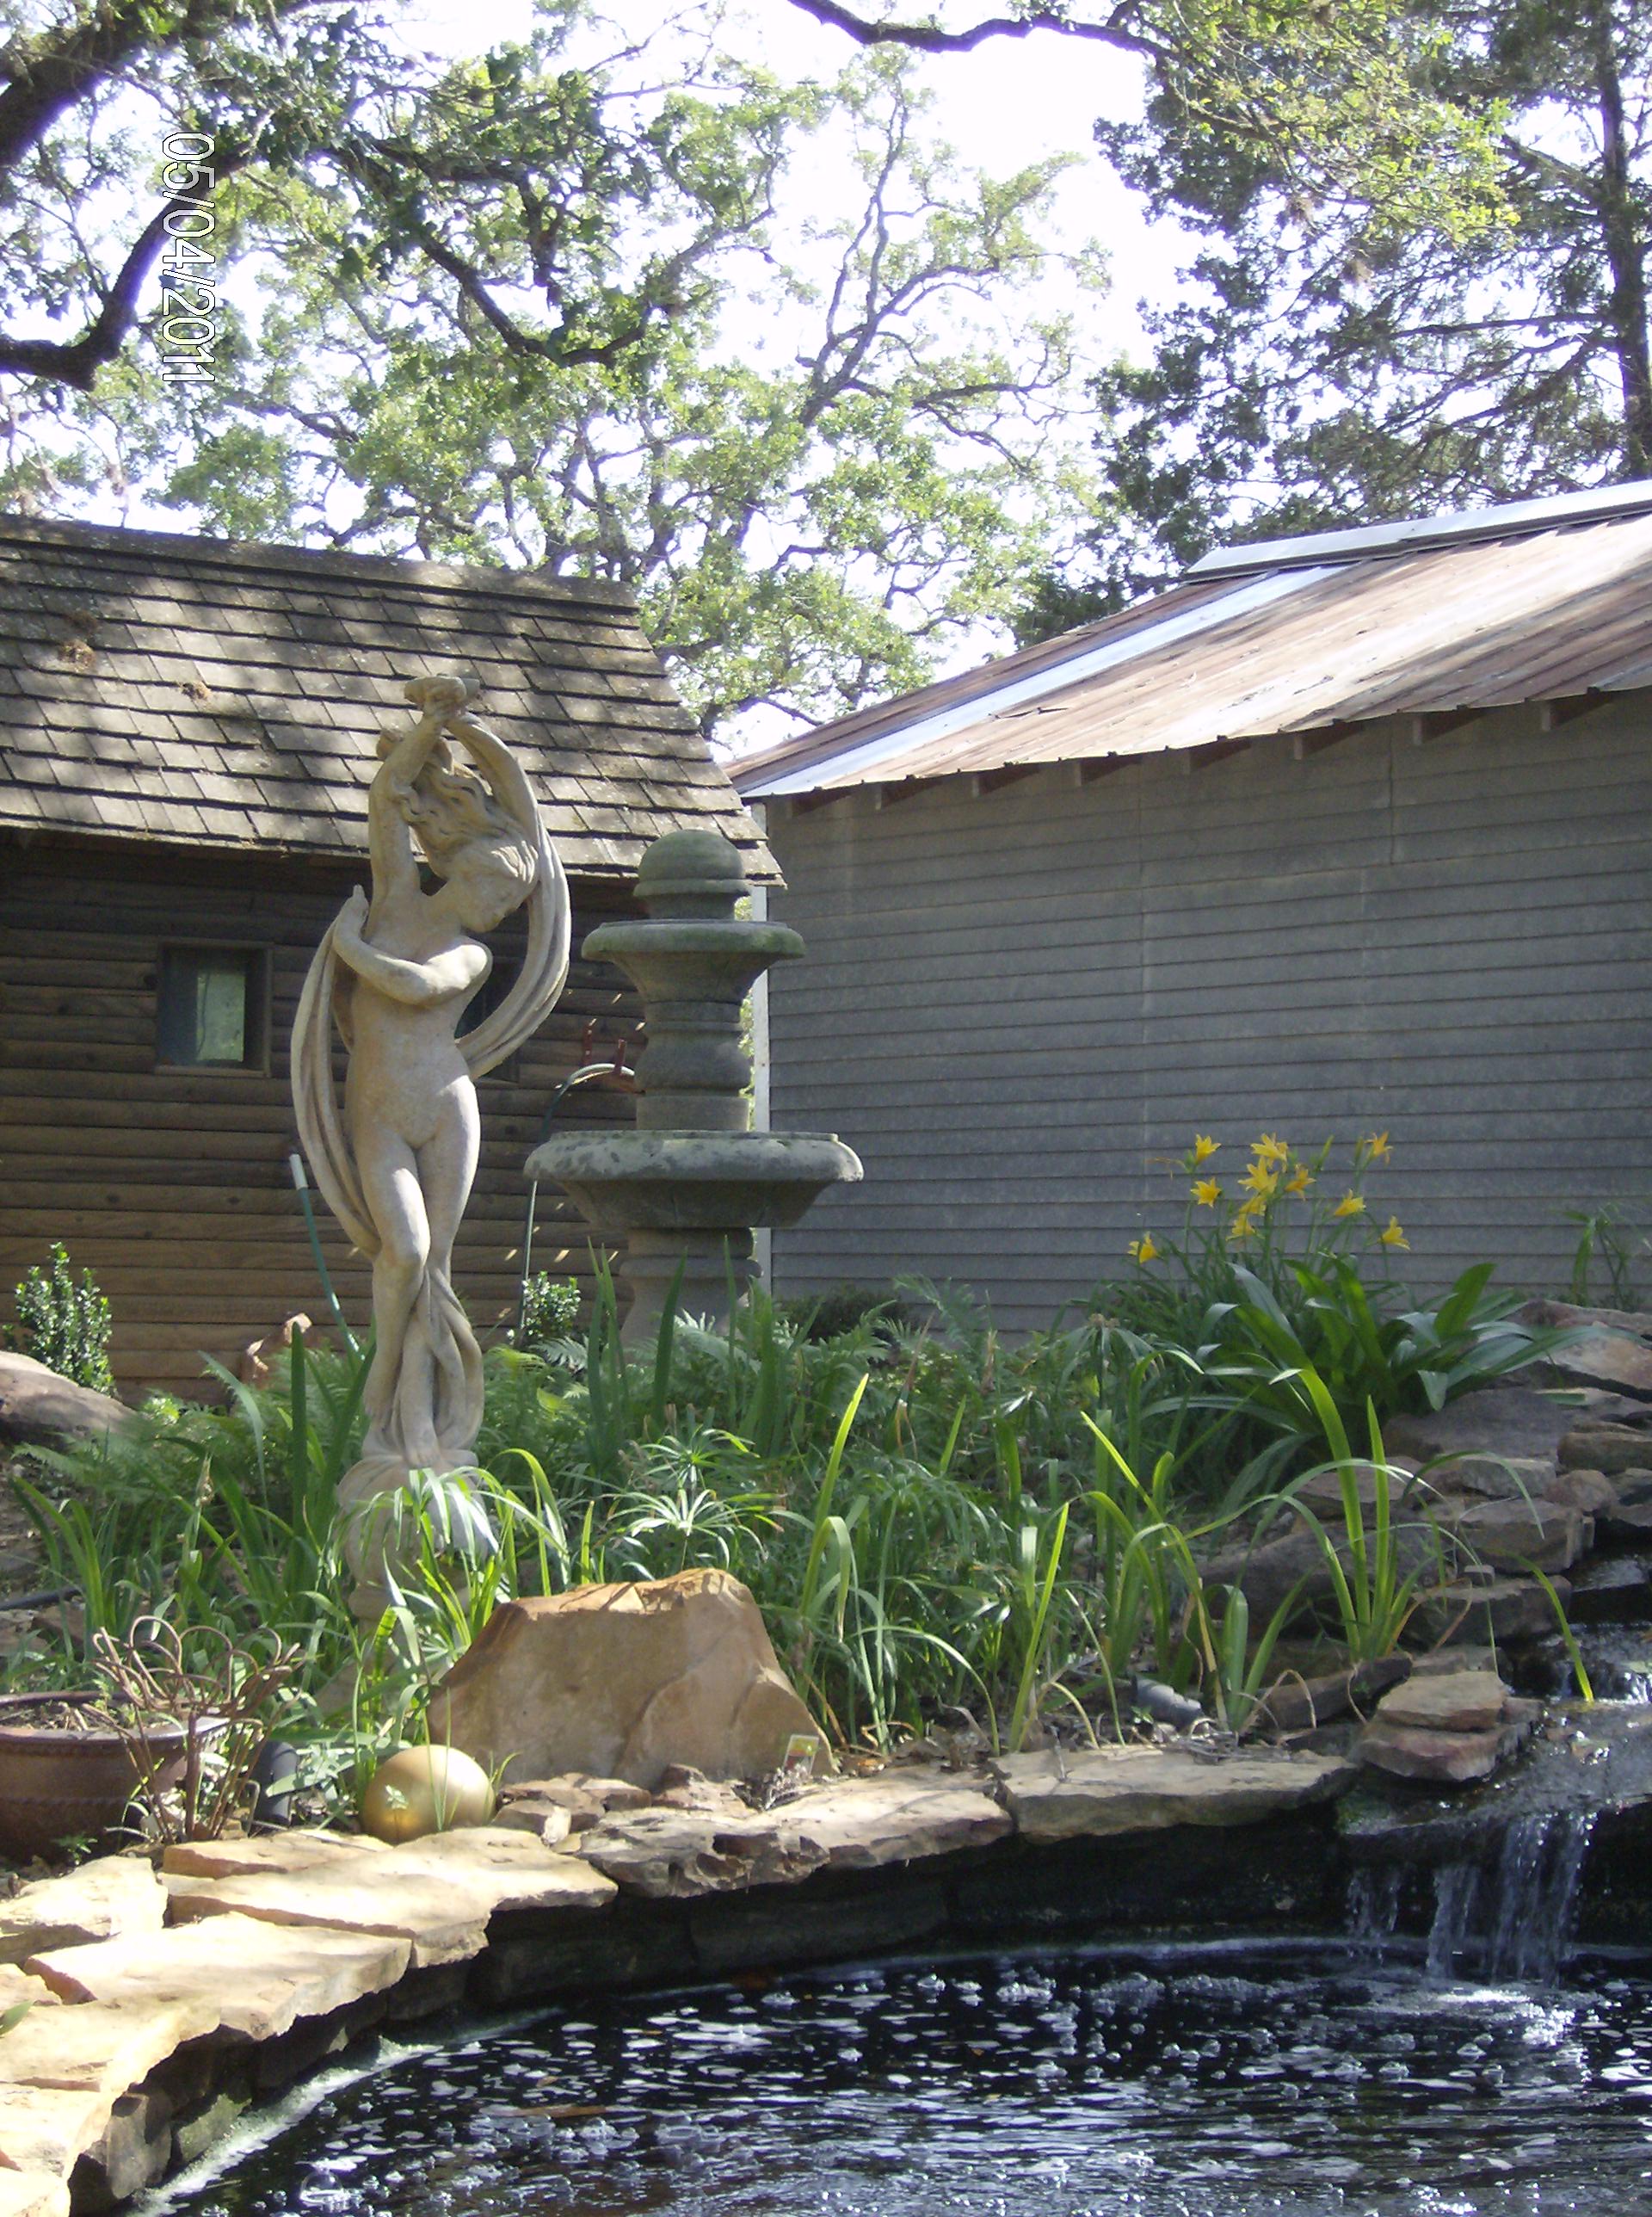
{"points": [[1338, 835], [187, 729]]}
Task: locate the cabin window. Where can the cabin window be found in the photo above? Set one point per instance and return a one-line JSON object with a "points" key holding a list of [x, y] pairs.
{"points": [[214, 1008]]}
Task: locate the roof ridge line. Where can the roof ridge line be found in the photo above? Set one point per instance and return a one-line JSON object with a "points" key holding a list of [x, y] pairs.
{"points": [[475, 579]]}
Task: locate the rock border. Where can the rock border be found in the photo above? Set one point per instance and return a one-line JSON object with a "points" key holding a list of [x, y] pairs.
{"points": [[167, 2001]]}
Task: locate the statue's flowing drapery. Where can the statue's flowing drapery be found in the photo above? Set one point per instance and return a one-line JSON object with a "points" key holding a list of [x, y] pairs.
{"points": [[439, 1372]]}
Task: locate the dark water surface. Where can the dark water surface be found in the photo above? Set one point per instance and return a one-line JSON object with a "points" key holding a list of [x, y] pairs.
{"points": [[1205, 2081]]}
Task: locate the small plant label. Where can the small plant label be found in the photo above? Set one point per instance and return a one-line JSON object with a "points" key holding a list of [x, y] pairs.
{"points": [[798, 1764]]}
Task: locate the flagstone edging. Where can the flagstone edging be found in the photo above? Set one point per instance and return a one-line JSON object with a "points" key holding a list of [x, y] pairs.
{"points": [[165, 2001]]}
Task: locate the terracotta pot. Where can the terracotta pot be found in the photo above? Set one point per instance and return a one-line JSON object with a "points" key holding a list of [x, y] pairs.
{"points": [[56, 1784]]}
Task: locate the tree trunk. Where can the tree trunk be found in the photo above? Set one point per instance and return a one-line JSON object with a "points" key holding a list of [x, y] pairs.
{"points": [[1625, 248]]}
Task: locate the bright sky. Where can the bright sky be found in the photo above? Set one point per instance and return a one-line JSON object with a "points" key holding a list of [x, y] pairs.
{"points": [[1007, 104]]}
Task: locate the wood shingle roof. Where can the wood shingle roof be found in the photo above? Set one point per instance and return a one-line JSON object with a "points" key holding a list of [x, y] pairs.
{"points": [[200, 692]]}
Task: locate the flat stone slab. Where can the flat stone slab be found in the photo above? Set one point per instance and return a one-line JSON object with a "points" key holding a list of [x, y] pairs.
{"points": [[1614, 1448], [102, 1899], [516, 1870], [720, 1845], [102, 2046], [1448, 1701], [43, 2129], [681, 1854], [261, 1977], [1501, 1609], [1111, 1790], [898, 1816], [1444, 1757], [32, 2194], [1511, 1535], [1601, 1355], [266, 1852], [1495, 1420], [437, 1893]]}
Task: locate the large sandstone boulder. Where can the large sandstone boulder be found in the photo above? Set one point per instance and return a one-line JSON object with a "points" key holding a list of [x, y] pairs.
{"points": [[38, 1407], [622, 1681]]}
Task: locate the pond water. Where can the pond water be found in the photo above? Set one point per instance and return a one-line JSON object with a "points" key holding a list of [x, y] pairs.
{"points": [[1215, 2080]]}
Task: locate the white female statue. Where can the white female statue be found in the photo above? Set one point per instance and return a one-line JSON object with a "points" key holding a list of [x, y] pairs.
{"points": [[395, 973]]}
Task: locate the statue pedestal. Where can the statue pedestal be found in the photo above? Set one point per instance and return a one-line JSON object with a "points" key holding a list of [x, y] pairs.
{"points": [[382, 1507]]}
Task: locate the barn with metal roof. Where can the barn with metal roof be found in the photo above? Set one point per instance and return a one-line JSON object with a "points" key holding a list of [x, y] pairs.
{"points": [[1338, 834]]}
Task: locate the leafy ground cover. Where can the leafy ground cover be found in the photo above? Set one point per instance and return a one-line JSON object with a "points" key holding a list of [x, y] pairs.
{"points": [[933, 1519]]}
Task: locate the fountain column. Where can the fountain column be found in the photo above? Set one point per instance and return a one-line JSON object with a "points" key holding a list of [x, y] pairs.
{"points": [[689, 1183]]}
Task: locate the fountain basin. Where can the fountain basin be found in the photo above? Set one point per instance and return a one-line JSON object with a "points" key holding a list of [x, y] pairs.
{"points": [[688, 1185], [695, 1181]]}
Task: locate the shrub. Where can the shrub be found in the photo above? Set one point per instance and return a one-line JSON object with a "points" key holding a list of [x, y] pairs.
{"points": [[1343, 1350], [550, 1310], [64, 1326]]}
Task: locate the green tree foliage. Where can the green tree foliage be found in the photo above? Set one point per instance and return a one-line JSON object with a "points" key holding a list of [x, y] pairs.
{"points": [[544, 311], [1342, 357], [505, 309]]}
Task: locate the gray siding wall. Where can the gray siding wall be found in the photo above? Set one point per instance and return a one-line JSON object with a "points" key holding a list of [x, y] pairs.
{"points": [[1017, 1006]]}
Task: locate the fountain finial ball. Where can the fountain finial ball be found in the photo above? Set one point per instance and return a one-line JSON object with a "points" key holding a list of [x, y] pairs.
{"points": [[689, 873]]}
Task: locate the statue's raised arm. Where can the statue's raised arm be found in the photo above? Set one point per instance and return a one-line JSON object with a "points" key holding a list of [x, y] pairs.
{"points": [[396, 1159]]}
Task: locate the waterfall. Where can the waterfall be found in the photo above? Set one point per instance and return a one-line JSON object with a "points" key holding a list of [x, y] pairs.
{"points": [[1510, 1914], [1534, 1894], [1373, 1907], [1456, 1891]]}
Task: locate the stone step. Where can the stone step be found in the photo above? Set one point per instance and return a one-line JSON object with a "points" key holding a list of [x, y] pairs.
{"points": [[437, 1893], [1098, 1792]]}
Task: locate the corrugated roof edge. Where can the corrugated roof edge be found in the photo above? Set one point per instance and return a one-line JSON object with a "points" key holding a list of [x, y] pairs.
{"points": [[308, 562], [825, 740], [1412, 535]]}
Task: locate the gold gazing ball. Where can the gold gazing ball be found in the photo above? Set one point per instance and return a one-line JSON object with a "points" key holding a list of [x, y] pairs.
{"points": [[420, 1790]]}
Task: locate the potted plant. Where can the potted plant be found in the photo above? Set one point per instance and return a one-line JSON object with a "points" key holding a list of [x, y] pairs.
{"points": [[174, 1736], [67, 1772]]}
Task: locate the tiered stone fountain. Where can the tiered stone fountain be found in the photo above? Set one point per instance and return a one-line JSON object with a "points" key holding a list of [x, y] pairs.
{"points": [[688, 1185]]}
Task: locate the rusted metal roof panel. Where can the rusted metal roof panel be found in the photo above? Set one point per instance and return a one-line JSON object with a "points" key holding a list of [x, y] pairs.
{"points": [[1452, 628]]}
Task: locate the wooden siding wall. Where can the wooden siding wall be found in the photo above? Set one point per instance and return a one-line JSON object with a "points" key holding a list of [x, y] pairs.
{"points": [[173, 1188], [1016, 1005]]}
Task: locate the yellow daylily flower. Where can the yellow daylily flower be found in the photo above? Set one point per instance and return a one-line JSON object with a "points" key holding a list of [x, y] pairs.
{"points": [[1142, 1249], [1206, 1192], [1301, 1182], [1376, 1147], [1352, 1204], [1204, 1148], [1267, 1149], [1243, 1225], [1260, 1181], [1392, 1236]]}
